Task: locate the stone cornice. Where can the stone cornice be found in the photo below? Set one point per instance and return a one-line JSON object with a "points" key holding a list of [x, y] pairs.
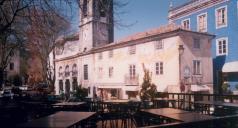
{"points": [[193, 6], [137, 41]]}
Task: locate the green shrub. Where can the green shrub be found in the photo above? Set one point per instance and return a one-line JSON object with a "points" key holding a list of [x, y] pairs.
{"points": [[81, 93], [148, 89], [225, 87]]}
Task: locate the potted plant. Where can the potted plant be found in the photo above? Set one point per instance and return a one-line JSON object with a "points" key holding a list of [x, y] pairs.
{"points": [[235, 92], [148, 89], [80, 93], [225, 87]]}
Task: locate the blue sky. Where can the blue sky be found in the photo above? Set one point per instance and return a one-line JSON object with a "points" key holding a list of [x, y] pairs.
{"points": [[144, 15]]}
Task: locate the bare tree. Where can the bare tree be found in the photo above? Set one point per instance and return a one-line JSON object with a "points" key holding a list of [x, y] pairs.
{"points": [[38, 22], [15, 18], [42, 35], [10, 37]]}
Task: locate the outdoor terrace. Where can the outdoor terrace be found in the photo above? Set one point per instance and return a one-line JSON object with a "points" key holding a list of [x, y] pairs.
{"points": [[166, 110]]}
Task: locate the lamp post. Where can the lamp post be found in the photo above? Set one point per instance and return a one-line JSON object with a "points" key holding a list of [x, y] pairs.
{"points": [[181, 51]]}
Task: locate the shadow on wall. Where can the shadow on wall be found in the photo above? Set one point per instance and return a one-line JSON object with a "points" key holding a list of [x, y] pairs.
{"points": [[218, 63]]}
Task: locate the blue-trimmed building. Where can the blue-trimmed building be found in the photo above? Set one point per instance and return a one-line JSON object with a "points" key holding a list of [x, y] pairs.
{"points": [[218, 17]]}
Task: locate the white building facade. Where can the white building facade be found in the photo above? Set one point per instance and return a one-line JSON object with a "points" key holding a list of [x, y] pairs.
{"points": [[115, 69]]}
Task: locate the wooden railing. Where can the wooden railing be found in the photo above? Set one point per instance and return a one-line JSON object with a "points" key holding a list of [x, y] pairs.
{"points": [[209, 97], [186, 100]]}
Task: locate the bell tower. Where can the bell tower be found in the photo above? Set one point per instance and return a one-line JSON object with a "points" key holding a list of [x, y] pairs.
{"points": [[96, 23]]}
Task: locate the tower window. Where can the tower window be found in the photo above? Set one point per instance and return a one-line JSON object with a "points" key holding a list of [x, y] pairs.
{"points": [[85, 8], [11, 66], [102, 7]]}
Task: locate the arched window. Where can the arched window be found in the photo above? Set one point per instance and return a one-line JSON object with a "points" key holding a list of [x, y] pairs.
{"points": [[74, 70], [67, 72], [61, 86], [85, 8], [60, 71], [75, 83]]}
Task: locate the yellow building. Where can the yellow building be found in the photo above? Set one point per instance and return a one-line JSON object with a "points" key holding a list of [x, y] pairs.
{"points": [[110, 69]]}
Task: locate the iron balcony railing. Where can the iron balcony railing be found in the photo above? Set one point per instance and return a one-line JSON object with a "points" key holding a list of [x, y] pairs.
{"points": [[132, 79]]}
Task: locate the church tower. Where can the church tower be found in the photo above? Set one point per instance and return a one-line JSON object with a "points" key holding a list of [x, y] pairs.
{"points": [[96, 23]]}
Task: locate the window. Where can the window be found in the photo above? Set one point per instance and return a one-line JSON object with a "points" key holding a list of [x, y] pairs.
{"points": [[196, 43], [61, 86], [11, 66], [85, 8], [186, 24], [102, 6], [197, 67], [110, 72], [114, 92], [159, 44], [159, 68], [59, 50], [132, 49], [67, 72], [202, 22], [100, 72], [100, 55], [74, 70], [85, 72], [74, 83], [221, 17], [60, 71], [110, 53], [132, 71], [222, 46], [89, 90]]}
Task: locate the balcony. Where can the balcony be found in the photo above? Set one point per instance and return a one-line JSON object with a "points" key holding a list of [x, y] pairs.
{"points": [[194, 79], [132, 80]]}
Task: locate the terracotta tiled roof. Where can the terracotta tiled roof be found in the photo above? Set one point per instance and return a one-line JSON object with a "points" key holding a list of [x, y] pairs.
{"points": [[156, 31]]}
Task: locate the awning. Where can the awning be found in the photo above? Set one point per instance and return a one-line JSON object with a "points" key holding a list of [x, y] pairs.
{"points": [[230, 67], [109, 87], [132, 88], [199, 88]]}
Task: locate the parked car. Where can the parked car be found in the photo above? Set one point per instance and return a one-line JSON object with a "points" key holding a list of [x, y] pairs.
{"points": [[8, 93], [24, 87]]}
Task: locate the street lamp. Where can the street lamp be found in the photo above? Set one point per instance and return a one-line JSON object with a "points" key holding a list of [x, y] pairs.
{"points": [[181, 51]]}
